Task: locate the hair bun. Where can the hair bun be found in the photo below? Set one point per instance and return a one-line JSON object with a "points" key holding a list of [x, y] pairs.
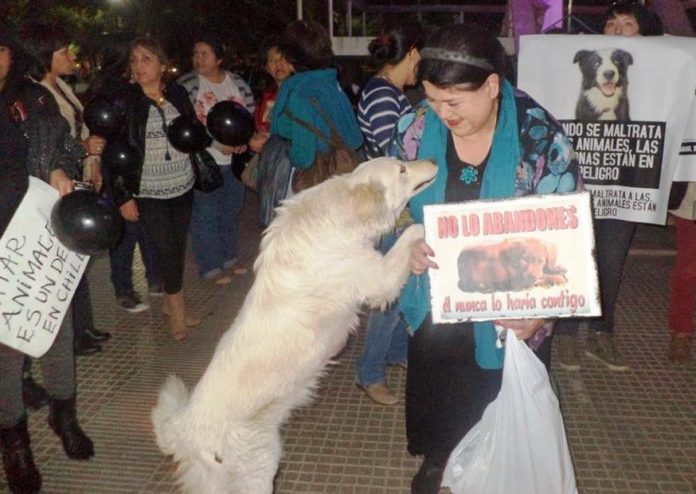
{"points": [[382, 48]]}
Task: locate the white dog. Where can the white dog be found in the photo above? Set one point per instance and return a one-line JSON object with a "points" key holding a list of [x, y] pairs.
{"points": [[317, 266]]}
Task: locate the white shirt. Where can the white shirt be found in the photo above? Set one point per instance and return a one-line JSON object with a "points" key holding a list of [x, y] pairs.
{"points": [[210, 93]]}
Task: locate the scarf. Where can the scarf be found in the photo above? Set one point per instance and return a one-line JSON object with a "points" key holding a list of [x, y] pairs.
{"points": [[498, 182]]}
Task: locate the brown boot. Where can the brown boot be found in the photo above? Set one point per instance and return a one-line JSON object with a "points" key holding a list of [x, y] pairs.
{"points": [[176, 311], [191, 320]]}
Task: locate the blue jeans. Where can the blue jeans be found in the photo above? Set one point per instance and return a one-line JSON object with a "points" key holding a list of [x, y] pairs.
{"points": [[386, 339], [386, 342], [121, 257], [215, 224]]}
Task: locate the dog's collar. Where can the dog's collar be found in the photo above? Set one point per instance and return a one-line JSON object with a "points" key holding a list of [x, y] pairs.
{"points": [[455, 56]]}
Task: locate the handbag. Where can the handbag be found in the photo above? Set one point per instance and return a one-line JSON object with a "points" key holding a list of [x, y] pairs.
{"points": [[273, 178], [337, 160], [206, 171], [519, 446]]}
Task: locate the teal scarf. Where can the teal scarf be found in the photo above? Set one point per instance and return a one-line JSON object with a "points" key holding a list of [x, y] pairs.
{"points": [[498, 182]]}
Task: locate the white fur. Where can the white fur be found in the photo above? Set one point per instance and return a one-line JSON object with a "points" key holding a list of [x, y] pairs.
{"points": [[603, 104], [316, 267]]}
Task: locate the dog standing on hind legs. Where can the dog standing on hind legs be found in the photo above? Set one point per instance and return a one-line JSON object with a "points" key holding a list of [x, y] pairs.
{"points": [[317, 266]]}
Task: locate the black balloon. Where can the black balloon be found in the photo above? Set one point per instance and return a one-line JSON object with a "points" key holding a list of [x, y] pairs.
{"points": [[103, 117], [188, 134], [230, 123], [86, 223], [119, 155]]}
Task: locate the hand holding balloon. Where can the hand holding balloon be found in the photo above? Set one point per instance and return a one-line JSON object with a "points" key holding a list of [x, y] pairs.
{"points": [[61, 182], [94, 145], [230, 123]]}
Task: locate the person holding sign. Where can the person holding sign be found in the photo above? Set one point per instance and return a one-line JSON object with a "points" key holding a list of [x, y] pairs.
{"points": [[489, 141], [613, 237], [49, 46], [35, 135]]}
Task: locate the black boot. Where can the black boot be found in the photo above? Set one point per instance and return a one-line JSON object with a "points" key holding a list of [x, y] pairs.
{"points": [[33, 394], [429, 477], [86, 346], [20, 470], [63, 420]]}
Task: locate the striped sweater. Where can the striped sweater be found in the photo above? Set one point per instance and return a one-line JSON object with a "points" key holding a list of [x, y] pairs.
{"points": [[379, 109]]}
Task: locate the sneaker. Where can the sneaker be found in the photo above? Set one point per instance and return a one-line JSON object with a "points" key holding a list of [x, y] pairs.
{"points": [[155, 290], [680, 348], [379, 393], [568, 357], [601, 347], [131, 303]]}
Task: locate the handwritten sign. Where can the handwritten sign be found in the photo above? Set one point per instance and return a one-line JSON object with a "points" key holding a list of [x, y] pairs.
{"points": [[530, 257], [38, 274]]}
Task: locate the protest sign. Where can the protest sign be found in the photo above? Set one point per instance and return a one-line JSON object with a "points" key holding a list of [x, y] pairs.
{"points": [[529, 257], [625, 103], [38, 275]]}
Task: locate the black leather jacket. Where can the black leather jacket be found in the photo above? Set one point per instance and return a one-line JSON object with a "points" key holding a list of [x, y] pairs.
{"points": [[124, 183], [49, 143]]}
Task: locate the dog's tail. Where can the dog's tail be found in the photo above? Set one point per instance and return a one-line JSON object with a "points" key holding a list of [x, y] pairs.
{"points": [[173, 397]]}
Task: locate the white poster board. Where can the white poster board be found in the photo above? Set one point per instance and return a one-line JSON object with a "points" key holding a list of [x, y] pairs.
{"points": [[38, 275], [529, 257], [625, 103]]}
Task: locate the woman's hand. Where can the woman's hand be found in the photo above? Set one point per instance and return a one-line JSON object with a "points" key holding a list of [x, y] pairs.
{"points": [[227, 150], [257, 141], [129, 210], [523, 328], [60, 181], [94, 145], [419, 261]]}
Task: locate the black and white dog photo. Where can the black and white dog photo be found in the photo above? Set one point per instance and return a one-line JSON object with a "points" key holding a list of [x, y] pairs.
{"points": [[604, 93]]}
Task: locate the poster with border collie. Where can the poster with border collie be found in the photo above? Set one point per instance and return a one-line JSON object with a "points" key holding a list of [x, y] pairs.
{"points": [[604, 94]]}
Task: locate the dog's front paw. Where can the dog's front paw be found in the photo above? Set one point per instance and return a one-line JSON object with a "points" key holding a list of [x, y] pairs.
{"points": [[413, 233]]}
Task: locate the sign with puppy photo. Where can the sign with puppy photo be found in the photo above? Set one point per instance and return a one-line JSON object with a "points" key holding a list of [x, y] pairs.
{"points": [[625, 103], [529, 257]]}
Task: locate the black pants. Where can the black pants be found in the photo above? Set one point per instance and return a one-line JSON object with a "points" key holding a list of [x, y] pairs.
{"points": [[167, 222], [612, 242], [446, 390]]}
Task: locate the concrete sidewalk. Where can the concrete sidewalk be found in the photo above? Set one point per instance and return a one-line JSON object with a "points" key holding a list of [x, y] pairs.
{"points": [[630, 433]]}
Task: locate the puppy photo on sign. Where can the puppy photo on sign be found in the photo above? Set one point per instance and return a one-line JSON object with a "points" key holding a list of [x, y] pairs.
{"points": [[513, 264]]}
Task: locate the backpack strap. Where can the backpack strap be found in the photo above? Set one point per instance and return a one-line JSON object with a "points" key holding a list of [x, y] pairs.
{"points": [[334, 136]]}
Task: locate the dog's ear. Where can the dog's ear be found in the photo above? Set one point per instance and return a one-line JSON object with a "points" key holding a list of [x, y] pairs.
{"points": [[622, 56], [581, 55], [368, 202]]}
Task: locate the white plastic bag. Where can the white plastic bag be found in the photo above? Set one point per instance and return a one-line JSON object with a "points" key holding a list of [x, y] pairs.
{"points": [[519, 446]]}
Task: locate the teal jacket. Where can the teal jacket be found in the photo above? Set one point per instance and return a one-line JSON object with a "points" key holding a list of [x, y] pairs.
{"points": [[294, 97]]}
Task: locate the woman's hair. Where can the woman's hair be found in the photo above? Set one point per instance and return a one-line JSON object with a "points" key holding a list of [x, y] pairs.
{"points": [[461, 55], [114, 57], [151, 45], [394, 44], [214, 43], [649, 24], [40, 41], [15, 79], [262, 53], [306, 45]]}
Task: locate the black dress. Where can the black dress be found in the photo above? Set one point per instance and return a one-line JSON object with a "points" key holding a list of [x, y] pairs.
{"points": [[446, 390]]}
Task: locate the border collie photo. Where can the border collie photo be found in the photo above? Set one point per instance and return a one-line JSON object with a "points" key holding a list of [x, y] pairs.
{"points": [[604, 93]]}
